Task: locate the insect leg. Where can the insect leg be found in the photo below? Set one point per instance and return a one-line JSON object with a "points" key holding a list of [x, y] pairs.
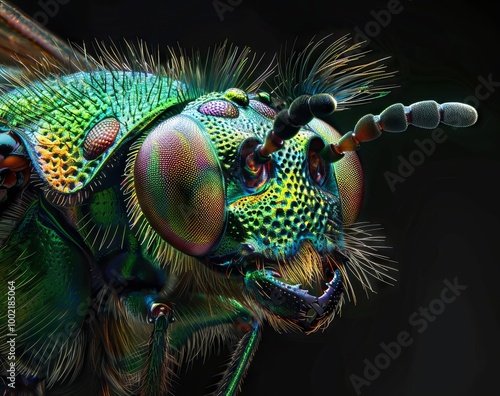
{"points": [[240, 361], [156, 371], [203, 323]]}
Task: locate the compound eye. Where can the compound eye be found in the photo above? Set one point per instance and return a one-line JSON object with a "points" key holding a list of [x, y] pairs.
{"points": [[318, 169], [100, 138], [180, 187], [350, 181], [263, 109], [219, 108], [261, 102], [348, 173]]}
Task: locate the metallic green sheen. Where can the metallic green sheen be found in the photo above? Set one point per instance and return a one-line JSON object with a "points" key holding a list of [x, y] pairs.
{"points": [[289, 208], [55, 115], [52, 279]]}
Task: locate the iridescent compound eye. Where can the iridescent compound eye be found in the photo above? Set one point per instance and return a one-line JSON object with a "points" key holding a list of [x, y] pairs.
{"points": [[263, 109], [180, 187], [348, 173], [350, 180], [219, 108], [100, 138]]}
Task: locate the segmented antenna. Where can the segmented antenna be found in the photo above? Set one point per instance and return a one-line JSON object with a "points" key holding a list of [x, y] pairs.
{"points": [[427, 114], [287, 124]]}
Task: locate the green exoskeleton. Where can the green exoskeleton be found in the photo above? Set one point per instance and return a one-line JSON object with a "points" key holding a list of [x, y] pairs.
{"points": [[149, 211]]}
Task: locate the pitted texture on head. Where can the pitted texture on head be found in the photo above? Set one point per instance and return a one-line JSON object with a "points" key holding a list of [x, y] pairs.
{"points": [[286, 210], [290, 209]]}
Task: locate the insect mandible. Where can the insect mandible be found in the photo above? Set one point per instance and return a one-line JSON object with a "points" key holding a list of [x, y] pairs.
{"points": [[150, 210]]}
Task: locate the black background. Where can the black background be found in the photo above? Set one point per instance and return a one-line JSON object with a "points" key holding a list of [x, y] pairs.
{"points": [[441, 222]]}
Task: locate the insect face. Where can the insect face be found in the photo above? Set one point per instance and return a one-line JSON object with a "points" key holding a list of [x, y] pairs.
{"points": [[279, 224]]}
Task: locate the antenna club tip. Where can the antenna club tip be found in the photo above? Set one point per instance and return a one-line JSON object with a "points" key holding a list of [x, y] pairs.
{"points": [[458, 114]]}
